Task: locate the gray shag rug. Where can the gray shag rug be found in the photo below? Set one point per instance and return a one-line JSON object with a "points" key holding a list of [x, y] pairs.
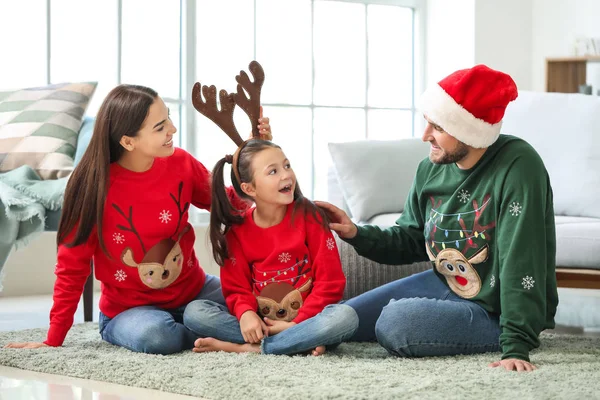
{"points": [[569, 368]]}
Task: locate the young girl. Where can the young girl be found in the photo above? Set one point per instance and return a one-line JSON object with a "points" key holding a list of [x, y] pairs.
{"points": [[126, 207], [279, 260]]}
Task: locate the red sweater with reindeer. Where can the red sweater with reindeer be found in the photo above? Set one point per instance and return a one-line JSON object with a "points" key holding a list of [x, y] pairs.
{"points": [[150, 242], [289, 271]]}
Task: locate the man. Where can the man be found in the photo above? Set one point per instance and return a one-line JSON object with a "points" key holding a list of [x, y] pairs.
{"points": [[480, 208]]}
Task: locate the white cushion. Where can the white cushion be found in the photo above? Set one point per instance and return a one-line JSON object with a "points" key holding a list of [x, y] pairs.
{"points": [[565, 130], [577, 242], [385, 220], [375, 176], [334, 193]]}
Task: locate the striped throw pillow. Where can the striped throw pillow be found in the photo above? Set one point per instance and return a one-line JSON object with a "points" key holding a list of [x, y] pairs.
{"points": [[39, 127]]}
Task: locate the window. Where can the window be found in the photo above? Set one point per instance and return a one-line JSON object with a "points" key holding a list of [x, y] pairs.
{"points": [[84, 48], [25, 20], [108, 41], [335, 70]]}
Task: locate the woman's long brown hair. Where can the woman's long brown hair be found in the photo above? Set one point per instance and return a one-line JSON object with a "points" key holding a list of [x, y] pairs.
{"points": [[121, 114], [222, 213]]}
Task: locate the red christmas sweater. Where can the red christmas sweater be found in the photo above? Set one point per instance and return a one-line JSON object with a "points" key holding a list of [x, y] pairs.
{"points": [[147, 234], [289, 271]]}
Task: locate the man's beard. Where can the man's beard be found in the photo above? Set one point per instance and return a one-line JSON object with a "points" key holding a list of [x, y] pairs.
{"points": [[458, 154]]}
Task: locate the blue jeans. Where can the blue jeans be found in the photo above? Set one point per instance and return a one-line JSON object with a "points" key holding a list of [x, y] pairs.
{"points": [[335, 324], [151, 329], [419, 316]]}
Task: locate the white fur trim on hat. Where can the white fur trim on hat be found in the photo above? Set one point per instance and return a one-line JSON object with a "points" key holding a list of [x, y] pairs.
{"points": [[443, 110]]}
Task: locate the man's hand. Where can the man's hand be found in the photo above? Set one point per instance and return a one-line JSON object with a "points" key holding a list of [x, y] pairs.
{"points": [[253, 329], [277, 326], [340, 222], [510, 364], [25, 345]]}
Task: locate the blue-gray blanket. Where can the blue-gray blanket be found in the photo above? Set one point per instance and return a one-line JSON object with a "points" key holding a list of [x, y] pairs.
{"points": [[24, 200]]}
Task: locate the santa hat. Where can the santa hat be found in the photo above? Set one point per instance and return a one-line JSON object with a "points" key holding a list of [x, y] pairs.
{"points": [[469, 104]]}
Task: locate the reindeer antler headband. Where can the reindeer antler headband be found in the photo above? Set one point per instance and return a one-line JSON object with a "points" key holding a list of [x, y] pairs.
{"points": [[224, 117]]}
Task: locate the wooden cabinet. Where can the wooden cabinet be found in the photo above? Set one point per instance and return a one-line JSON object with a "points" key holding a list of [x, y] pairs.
{"points": [[566, 74]]}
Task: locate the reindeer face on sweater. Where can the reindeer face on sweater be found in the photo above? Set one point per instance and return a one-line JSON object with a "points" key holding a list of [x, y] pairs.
{"points": [[281, 301], [160, 266], [458, 270]]}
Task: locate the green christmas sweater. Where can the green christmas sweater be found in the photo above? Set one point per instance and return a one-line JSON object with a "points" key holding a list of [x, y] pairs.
{"points": [[489, 232]]}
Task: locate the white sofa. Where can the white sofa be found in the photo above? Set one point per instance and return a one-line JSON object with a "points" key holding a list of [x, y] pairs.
{"points": [[371, 179]]}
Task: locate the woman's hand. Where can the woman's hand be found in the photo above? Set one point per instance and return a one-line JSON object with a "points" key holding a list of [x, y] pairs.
{"points": [[25, 345], [264, 127]]}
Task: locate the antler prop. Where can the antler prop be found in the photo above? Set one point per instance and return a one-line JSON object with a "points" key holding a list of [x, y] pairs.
{"points": [[250, 105], [224, 117]]}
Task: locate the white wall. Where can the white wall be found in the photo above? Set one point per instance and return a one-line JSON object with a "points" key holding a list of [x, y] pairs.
{"points": [[556, 25], [514, 36], [450, 38], [503, 38], [462, 33]]}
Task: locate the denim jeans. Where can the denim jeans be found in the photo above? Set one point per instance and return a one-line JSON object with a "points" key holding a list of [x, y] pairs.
{"points": [[335, 324], [419, 316], [151, 329]]}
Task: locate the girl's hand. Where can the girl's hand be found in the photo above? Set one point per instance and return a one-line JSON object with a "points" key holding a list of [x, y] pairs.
{"points": [[340, 222], [510, 364], [264, 127], [276, 327], [25, 345], [253, 329]]}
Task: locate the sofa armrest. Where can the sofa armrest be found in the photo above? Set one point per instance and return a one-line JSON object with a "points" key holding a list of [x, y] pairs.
{"points": [[363, 274]]}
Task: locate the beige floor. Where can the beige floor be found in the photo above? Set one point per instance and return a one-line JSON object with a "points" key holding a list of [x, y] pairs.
{"points": [[16, 384]]}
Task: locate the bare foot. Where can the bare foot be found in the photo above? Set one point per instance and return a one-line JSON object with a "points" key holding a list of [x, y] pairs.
{"points": [[320, 350], [211, 344]]}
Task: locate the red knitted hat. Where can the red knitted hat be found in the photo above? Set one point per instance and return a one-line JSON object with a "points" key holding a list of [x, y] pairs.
{"points": [[469, 104]]}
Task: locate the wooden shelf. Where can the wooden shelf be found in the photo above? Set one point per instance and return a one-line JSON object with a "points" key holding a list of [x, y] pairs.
{"points": [[578, 278], [571, 59], [566, 74]]}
